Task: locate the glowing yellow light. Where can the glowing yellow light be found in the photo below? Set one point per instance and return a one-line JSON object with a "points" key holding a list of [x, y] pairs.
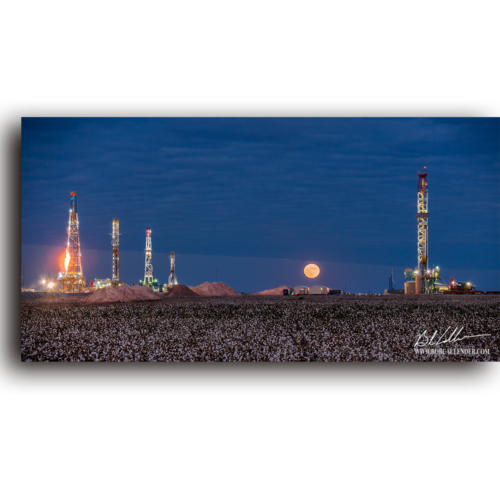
{"points": [[66, 261]]}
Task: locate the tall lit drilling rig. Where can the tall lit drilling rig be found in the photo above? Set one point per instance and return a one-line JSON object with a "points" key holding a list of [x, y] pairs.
{"points": [[148, 267], [116, 256], [172, 279], [426, 280], [423, 230], [72, 279]]}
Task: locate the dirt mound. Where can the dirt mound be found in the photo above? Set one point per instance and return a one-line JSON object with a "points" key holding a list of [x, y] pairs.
{"points": [[214, 290], [121, 294], [179, 291], [273, 291]]}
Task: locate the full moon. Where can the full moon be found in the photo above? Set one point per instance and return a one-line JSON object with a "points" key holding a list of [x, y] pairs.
{"points": [[311, 270]]}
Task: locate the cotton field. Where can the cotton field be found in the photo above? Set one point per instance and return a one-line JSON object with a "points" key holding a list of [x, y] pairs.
{"points": [[321, 328]]}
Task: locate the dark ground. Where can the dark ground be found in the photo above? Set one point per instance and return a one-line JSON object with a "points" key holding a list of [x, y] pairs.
{"points": [[312, 328]]}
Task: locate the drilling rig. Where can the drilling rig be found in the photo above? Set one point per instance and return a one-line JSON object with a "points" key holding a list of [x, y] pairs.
{"points": [[422, 273], [72, 279], [172, 279], [423, 222], [148, 267], [426, 280], [116, 256]]}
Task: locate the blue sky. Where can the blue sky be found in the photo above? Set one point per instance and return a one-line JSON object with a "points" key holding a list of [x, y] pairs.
{"points": [[260, 198]]}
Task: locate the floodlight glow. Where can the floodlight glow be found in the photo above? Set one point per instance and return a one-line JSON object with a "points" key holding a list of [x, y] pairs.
{"points": [[66, 260]]}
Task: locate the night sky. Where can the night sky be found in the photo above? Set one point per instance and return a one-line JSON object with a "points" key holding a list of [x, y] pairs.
{"points": [[260, 198]]}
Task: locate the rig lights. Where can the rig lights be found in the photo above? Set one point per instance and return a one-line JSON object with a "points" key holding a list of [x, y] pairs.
{"points": [[71, 279]]}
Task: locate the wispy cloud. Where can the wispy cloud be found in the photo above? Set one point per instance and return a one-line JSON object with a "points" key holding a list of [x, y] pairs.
{"points": [[339, 189]]}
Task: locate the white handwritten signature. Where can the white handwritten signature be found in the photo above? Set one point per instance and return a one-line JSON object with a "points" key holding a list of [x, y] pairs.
{"points": [[423, 339]]}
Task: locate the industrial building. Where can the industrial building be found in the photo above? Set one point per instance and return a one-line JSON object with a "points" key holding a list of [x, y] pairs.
{"points": [[431, 283], [101, 283], [315, 290]]}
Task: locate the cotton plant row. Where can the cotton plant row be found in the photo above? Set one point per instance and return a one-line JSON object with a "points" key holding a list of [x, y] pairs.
{"points": [[277, 329]]}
